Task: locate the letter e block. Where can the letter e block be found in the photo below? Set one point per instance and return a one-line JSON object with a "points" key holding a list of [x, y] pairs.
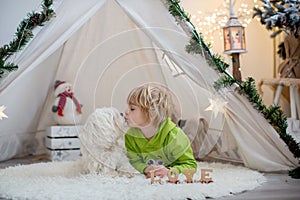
{"points": [[204, 176]]}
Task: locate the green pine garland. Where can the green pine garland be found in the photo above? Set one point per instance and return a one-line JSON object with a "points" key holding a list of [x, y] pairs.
{"points": [[273, 114], [23, 36]]}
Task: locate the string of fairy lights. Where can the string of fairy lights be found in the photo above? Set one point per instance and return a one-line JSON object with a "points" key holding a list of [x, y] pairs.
{"points": [[210, 23]]}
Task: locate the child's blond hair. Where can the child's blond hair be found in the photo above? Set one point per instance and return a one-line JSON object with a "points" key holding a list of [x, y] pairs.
{"points": [[155, 101]]}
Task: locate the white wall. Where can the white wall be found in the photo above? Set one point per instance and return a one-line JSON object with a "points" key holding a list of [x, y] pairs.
{"points": [[257, 63]]}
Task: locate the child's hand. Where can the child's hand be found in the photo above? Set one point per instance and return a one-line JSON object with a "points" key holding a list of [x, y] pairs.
{"points": [[148, 169], [159, 170]]}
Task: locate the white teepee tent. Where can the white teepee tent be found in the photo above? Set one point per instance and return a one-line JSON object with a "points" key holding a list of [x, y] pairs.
{"points": [[107, 47]]}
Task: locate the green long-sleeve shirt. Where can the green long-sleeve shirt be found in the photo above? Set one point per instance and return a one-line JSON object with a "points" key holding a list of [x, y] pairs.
{"points": [[169, 145]]}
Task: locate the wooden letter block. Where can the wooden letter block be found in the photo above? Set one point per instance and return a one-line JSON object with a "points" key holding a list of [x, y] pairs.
{"points": [[154, 179], [204, 176], [189, 173], [173, 175]]}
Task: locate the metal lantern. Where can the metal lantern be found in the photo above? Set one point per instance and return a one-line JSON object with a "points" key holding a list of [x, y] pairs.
{"points": [[234, 37], [234, 42], [234, 34]]}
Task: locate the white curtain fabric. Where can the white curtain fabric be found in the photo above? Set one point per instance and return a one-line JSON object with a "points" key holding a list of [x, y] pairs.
{"points": [[104, 49], [24, 91]]}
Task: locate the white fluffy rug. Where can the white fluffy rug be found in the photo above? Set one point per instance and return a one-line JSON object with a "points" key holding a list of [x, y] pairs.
{"points": [[61, 180]]}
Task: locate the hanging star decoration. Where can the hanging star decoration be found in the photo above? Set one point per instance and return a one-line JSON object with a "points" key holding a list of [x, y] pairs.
{"points": [[2, 115], [216, 106]]}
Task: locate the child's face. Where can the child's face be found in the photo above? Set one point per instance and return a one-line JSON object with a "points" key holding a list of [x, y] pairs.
{"points": [[134, 117]]}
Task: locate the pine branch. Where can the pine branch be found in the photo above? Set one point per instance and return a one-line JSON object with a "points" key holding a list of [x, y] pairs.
{"points": [[281, 14], [249, 90], [23, 35], [223, 82], [6, 68]]}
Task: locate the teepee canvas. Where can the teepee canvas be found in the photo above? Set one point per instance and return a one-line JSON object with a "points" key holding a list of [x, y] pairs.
{"points": [[104, 48]]}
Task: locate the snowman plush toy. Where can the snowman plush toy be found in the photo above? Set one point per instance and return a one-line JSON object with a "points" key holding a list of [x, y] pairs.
{"points": [[66, 108]]}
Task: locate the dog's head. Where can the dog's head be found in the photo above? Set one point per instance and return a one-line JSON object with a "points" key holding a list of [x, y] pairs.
{"points": [[113, 117], [104, 127], [118, 119]]}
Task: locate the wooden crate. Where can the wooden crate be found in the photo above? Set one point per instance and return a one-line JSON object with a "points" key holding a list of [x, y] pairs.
{"points": [[62, 142]]}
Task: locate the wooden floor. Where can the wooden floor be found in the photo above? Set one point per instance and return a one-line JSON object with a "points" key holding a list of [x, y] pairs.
{"points": [[277, 187]]}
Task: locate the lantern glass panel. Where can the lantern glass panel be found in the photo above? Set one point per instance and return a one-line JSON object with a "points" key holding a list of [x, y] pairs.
{"points": [[236, 37], [226, 36]]}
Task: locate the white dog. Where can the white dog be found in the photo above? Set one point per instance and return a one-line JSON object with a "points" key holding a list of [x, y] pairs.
{"points": [[103, 146]]}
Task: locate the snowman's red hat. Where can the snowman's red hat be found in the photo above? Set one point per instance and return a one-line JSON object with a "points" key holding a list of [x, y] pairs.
{"points": [[58, 83], [60, 86]]}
